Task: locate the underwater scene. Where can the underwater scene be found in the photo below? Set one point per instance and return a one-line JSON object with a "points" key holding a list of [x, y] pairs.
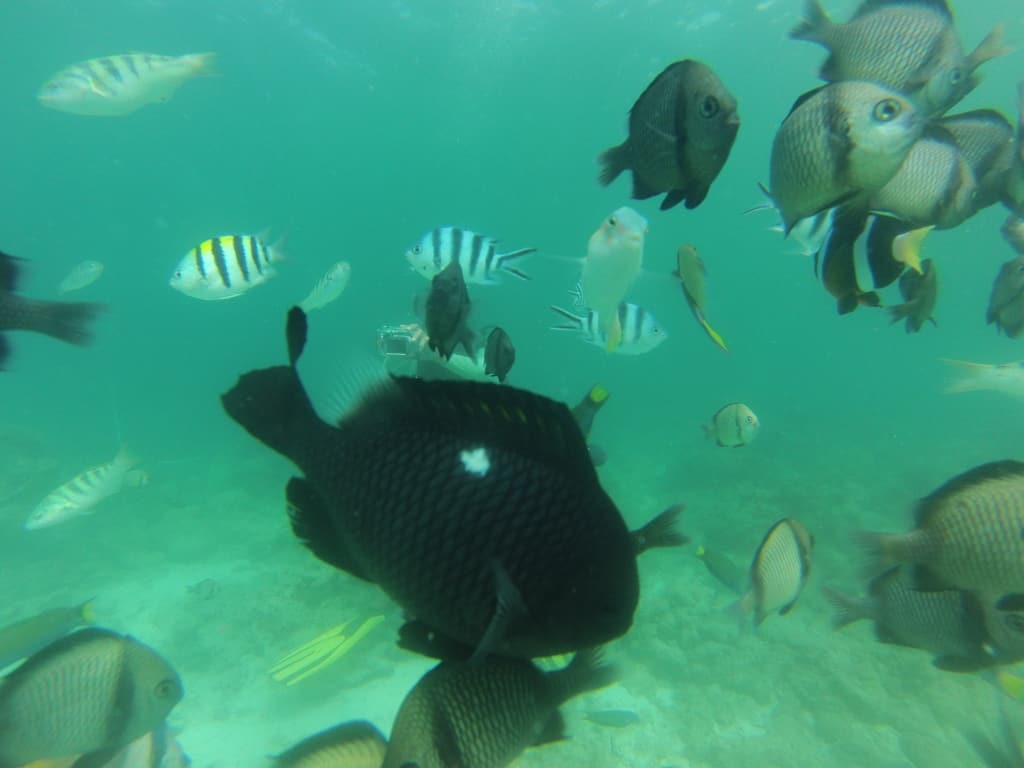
{"points": [[463, 384]]}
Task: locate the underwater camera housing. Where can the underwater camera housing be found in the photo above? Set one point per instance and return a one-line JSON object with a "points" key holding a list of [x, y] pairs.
{"points": [[396, 341]]}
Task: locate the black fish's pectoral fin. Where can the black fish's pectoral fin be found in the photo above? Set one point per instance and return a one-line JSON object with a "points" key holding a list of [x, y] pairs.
{"points": [[674, 198], [660, 532], [641, 191], [961, 664], [96, 759], [296, 331], [508, 607], [695, 196], [5, 350], [419, 638], [553, 730], [313, 525]]}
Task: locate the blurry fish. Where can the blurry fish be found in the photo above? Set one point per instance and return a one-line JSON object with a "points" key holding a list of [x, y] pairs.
{"points": [[907, 45], [499, 354], [62, 320], [1013, 231], [328, 288], [119, 85], [156, 749], [948, 623], [84, 274], [355, 744], [1006, 302], [839, 142], [89, 693], [919, 294], [641, 331], [733, 426], [691, 273], [960, 541], [724, 569], [225, 267], [1013, 193], [615, 256], [447, 313], [612, 718], [443, 493], [1003, 751], [25, 637], [475, 253], [987, 143], [81, 494], [1006, 377], [681, 130], [779, 572], [484, 715]]}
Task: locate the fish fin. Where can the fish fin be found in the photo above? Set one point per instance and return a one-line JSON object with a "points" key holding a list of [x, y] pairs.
{"points": [[585, 411], [508, 608], [552, 730], [575, 321], [992, 47], [97, 759], [676, 196], [868, 6], [1012, 602], [641, 191], [296, 331], [995, 470], [846, 304], [202, 64], [660, 531], [889, 252], [9, 270], [579, 301], [694, 196], [845, 609], [877, 552], [613, 162], [313, 525], [97, 88], [714, 335], [961, 664], [505, 258], [64, 320], [788, 607], [797, 104], [417, 637], [587, 671], [815, 27]]}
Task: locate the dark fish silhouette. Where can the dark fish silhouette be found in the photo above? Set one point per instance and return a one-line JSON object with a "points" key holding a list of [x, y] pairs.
{"points": [[447, 312], [919, 295], [499, 354]]}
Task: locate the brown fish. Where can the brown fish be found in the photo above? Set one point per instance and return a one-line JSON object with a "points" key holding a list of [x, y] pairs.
{"points": [[779, 572], [1006, 302], [447, 313], [355, 744], [919, 293], [691, 273], [681, 131]]}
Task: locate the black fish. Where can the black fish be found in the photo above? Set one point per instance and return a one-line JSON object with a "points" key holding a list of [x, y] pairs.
{"points": [[681, 131], [64, 320], [919, 295], [838, 272], [499, 354], [474, 506], [447, 311], [1006, 303], [484, 715]]}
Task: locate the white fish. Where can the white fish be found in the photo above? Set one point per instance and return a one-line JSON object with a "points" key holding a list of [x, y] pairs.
{"points": [[1006, 377], [614, 259], [476, 254], [225, 267], [779, 572], [118, 85], [733, 426], [84, 274], [641, 331], [80, 494], [328, 288]]}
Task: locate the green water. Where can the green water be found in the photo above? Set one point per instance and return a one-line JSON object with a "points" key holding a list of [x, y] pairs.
{"points": [[352, 128]]}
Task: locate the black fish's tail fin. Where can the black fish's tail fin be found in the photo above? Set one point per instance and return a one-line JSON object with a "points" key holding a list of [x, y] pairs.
{"points": [[613, 162], [272, 404], [586, 672], [68, 321], [660, 532]]}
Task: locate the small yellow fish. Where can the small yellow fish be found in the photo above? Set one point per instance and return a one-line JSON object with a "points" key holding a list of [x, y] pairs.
{"points": [[691, 273], [614, 258], [906, 248]]}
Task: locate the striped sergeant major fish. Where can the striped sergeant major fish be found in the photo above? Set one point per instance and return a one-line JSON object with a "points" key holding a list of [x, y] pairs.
{"points": [[475, 253], [80, 494], [641, 331], [226, 266], [119, 85]]}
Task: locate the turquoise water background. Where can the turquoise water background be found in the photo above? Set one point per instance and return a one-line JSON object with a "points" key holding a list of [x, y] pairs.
{"points": [[352, 128]]}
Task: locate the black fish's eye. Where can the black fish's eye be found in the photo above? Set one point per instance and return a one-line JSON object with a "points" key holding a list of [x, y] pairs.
{"points": [[709, 107], [886, 110], [166, 689], [956, 76]]}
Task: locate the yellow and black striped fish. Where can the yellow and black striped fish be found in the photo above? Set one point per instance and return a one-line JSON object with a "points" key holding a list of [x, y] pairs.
{"points": [[224, 267]]}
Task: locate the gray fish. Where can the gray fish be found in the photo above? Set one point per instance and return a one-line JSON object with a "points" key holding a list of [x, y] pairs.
{"points": [[612, 718], [499, 354], [839, 142], [948, 623], [25, 637], [355, 744], [919, 295], [447, 312], [987, 143], [681, 131], [779, 572], [907, 45], [485, 715], [1006, 302], [67, 321], [1013, 231], [89, 693], [473, 505]]}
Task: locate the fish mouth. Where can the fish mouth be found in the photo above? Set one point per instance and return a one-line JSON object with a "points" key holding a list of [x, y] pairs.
{"points": [[733, 120]]}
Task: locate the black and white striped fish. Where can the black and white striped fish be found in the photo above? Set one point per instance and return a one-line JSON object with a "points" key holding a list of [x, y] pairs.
{"points": [[475, 253], [641, 331], [224, 267]]}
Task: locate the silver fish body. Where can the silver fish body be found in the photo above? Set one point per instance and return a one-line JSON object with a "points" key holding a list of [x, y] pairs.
{"points": [[81, 494], [477, 255], [641, 331], [779, 572], [81, 276], [225, 267]]}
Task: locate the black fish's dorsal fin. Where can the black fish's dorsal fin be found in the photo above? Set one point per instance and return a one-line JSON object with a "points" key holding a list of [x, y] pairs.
{"points": [[995, 470], [800, 100], [869, 6], [8, 272], [296, 330], [479, 414]]}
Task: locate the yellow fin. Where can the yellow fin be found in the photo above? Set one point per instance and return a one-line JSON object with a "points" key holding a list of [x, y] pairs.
{"points": [[597, 394], [906, 248], [614, 335], [715, 335], [1012, 685]]}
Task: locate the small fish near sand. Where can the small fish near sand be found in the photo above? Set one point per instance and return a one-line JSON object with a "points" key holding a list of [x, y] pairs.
{"points": [[723, 568], [226, 267], [681, 131], [89, 693], [23, 638], [919, 295], [612, 718], [733, 426], [486, 714], [355, 744], [1006, 302], [691, 273], [1007, 378], [641, 331], [66, 321], [328, 288], [112, 86], [477, 255], [779, 572], [81, 276], [447, 313], [499, 354]]}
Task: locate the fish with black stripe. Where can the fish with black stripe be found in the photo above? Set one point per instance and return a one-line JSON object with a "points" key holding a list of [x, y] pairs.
{"points": [[225, 267], [477, 255], [641, 331], [779, 572]]}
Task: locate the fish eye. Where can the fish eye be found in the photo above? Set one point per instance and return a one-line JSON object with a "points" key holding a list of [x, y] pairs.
{"points": [[956, 76], [611, 220], [417, 250], [886, 110], [166, 689], [750, 419], [709, 107]]}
